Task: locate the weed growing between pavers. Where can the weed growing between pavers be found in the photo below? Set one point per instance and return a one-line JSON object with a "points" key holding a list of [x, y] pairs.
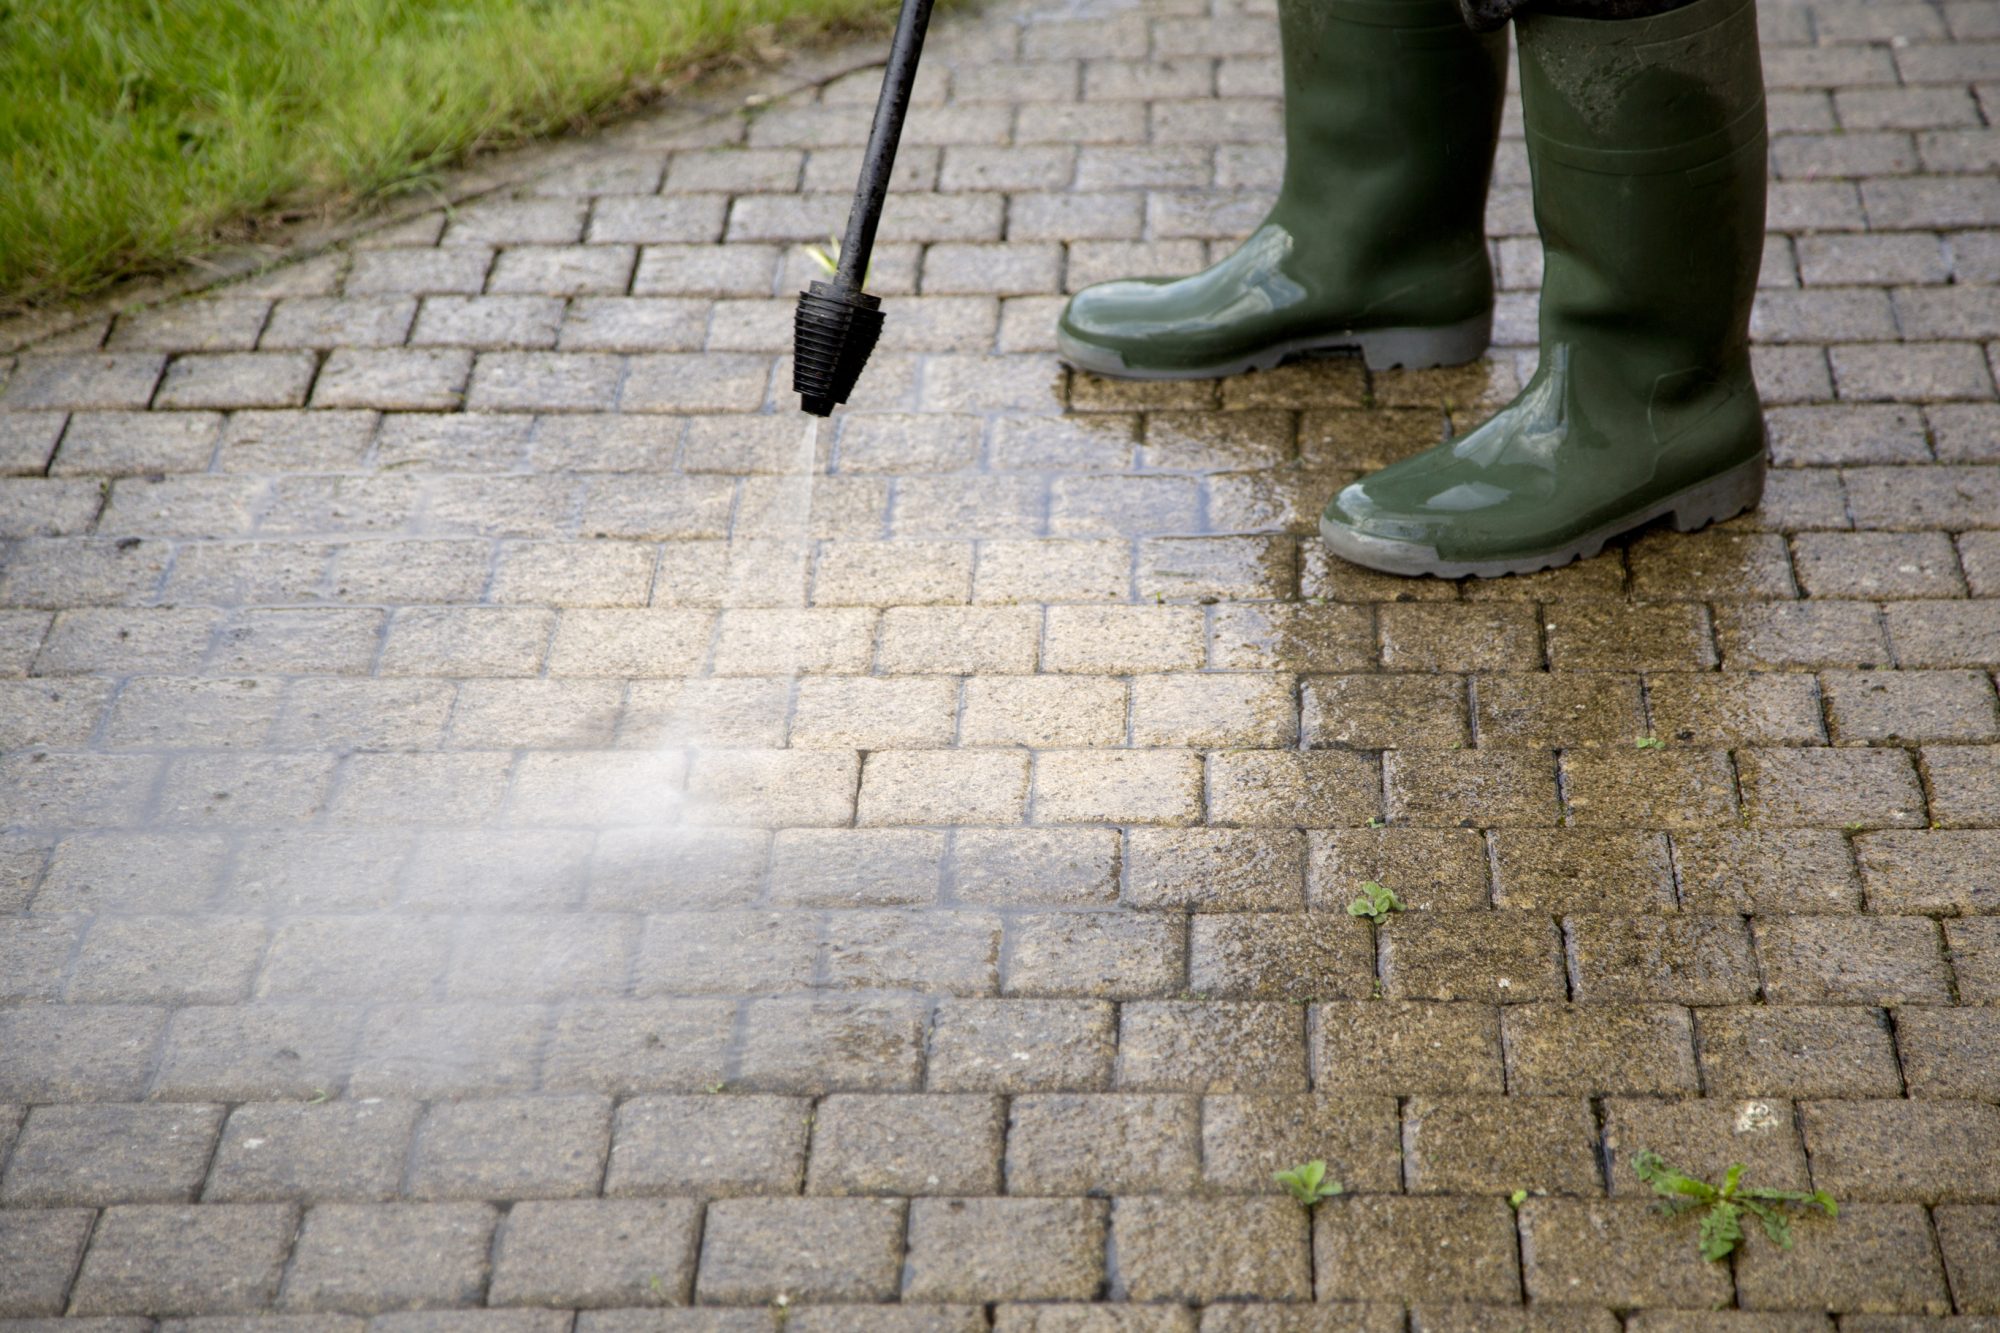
{"points": [[1723, 1206], [1375, 902], [1308, 1184]]}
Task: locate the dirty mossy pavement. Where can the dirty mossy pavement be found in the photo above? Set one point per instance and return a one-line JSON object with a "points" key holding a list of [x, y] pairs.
{"points": [[466, 869]]}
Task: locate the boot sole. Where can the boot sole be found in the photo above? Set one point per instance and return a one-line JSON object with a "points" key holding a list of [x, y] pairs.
{"points": [[1722, 496], [1380, 349]]}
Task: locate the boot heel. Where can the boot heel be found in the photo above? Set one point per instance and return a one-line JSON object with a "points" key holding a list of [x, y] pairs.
{"points": [[1421, 349], [1720, 497]]}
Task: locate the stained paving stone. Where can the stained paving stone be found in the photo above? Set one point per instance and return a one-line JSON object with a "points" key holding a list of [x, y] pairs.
{"points": [[1577, 1251], [592, 1253], [907, 1145], [1735, 709], [1102, 1144], [1247, 1138], [1667, 788], [1761, 872], [1599, 1049], [1211, 1046], [1946, 872], [1691, 959], [1975, 954], [1215, 869], [1970, 1238], [1211, 1249], [1876, 1259], [370, 1258], [1430, 869], [1579, 870], [1851, 788], [1852, 960], [1029, 1249], [551, 1147], [1903, 1149], [1505, 958], [707, 1145], [351, 1151], [1405, 1047], [1279, 955], [1388, 1248], [171, 1260], [1795, 1050], [40, 1259], [1496, 1145], [1703, 1137], [70, 1156], [754, 1250], [1037, 751]]}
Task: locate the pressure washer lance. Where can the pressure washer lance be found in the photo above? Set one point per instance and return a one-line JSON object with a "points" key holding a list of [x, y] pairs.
{"points": [[836, 324]]}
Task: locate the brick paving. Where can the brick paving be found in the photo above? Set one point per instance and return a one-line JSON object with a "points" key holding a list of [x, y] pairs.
{"points": [[492, 846]]}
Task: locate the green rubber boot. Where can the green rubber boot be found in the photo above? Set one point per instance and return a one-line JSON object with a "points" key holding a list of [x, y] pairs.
{"points": [[1646, 139], [1377, 241]]}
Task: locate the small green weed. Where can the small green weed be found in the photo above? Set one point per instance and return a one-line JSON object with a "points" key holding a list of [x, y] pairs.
{"points": [[1308, 1184], [1722, 1226], [1376, 821], [828, 257], [1516, 1199], [1651, 743], [1375, 902]]}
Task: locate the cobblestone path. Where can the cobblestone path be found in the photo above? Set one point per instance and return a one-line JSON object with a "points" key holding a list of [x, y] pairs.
{"points": [[483, 854]]}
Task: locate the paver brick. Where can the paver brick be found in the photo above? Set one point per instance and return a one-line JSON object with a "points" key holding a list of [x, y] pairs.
{"points": [[754, 1250], [1247, 1138], [907, 1144], [1382, 1247], [1110, 955], [83, 1156], [1211, 1046], [1929, 1151], [338, 1150], [1875, 1259], [40, 1258], [1405, 1047], [1491, 957], [161, 1259], [1599, 1049], [596, 1253], [980, 1045], [370, 1258], [1211, 1249], [1851, 960], [1102, 1144], [1021, 1249], [1703, 1136], [546, 1147], [1468, 1145], [1797, 1050], [1969, 1236], [1588, 1251]]}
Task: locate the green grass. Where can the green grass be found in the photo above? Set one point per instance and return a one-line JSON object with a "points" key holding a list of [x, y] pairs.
{"points": [[134, 134]]}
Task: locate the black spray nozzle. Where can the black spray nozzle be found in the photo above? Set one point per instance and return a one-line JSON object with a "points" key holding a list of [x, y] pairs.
{"points": [[837, 323], [833, 331]]}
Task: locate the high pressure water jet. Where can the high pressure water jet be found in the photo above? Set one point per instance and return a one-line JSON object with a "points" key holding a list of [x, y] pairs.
{"points": [[836, 324]]}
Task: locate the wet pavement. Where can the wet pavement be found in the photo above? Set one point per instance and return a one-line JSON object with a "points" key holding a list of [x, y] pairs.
{"points": [[498, 838]]}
